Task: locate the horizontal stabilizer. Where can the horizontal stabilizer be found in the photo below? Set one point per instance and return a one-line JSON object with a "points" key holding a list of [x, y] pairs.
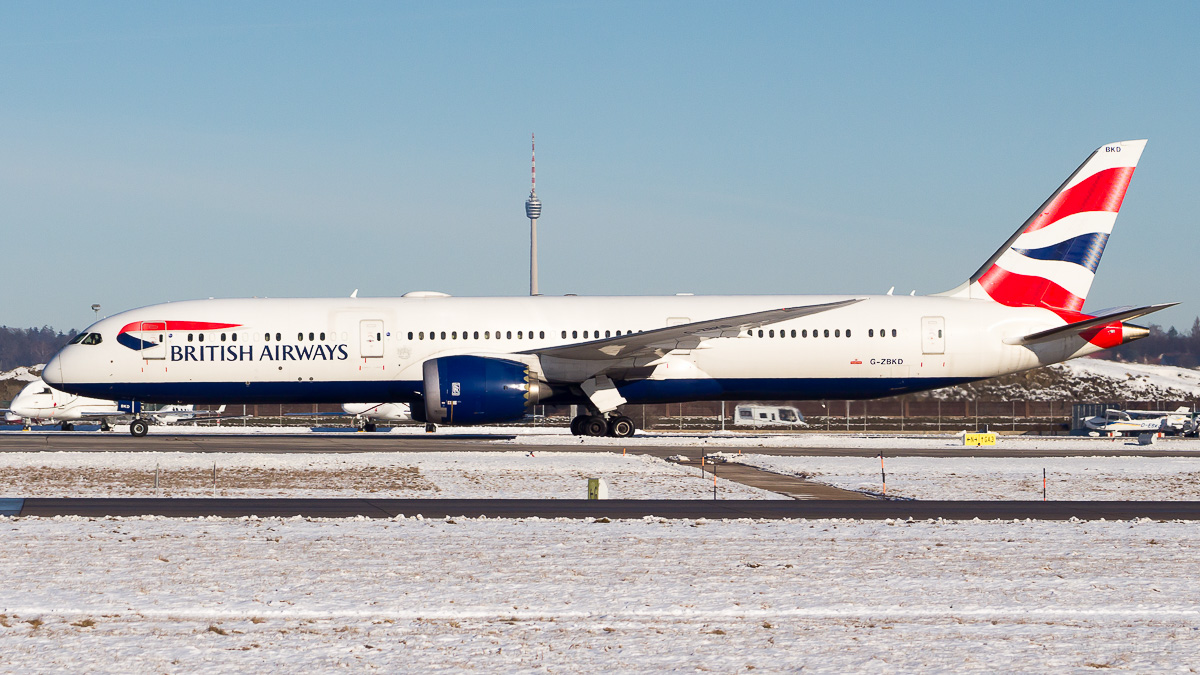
{"points": [[1080, 326]]}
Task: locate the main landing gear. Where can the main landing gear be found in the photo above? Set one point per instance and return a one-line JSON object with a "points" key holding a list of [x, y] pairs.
{"points": [[619, 426]]}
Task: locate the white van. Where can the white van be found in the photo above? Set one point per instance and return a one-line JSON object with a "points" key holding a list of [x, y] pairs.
{"points": [[752, 414]]}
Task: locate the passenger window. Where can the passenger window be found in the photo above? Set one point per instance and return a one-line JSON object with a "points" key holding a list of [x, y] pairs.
{"points": [[607, 333], [476, 335], [487, 335], [893, 332], [760, 332], [564, 333], [826, 332], [443, 335], [266, 337], [189, 337], [310, 337], [454, 335], [421, 335], [574, 334], [541, 335], [837, 332], [771, 333], [222, 337], [199, 337], [232, 337], [939, 332], [882, 332], [520, 335], [870, 332], [410, 335], [299, 337], [804, 333], [508, 335], [847, 332], [793, 332], [278, 337], [322, 337]]}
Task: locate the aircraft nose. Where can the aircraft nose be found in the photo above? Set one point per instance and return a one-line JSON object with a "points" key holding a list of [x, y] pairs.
{"points": [[53, 372]]}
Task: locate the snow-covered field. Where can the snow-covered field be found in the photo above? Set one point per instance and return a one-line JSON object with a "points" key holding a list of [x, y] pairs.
{"points": [[159, 595], [443, 475], [1139, 378], [1009, 478]]}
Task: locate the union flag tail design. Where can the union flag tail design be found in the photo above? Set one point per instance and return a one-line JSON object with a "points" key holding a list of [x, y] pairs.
{"points": [[1051, 260]]}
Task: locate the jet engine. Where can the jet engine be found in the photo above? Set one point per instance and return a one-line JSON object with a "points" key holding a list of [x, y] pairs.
{"points": [[479, 390]]}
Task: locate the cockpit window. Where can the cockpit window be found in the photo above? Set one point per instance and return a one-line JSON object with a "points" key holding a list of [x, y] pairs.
{"points": [[91, 339], [77, 339]]}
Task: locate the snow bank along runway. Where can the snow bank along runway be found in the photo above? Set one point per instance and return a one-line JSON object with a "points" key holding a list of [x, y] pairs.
{"points": [[408, 439], [154, 595]]}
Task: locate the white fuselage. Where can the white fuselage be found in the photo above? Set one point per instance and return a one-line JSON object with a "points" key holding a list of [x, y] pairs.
{"points": [[346, 350]]}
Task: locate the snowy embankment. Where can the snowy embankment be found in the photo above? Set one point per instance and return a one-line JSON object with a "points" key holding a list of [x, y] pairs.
{"points": [[1004, 478], [210, 596], [437, 475]]}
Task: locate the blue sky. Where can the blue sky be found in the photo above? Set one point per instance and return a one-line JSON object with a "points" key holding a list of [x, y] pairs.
{"points": [[163, 151]]}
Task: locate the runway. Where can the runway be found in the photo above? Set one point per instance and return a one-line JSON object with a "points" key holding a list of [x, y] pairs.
{"points": [[661, 446], [613, 509]]}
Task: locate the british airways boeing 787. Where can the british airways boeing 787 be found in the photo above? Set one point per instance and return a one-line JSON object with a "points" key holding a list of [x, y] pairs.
{"points": [[487, 360]]}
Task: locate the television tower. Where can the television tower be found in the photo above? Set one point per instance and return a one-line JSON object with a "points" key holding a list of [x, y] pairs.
{"points": [[533, 209]]}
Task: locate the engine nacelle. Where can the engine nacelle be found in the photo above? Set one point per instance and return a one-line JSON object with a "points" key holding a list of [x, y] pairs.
{"points": [[478, 390]]}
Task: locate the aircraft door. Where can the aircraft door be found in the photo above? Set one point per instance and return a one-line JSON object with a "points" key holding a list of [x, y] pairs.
{"points": [[154, 339], [933, 335], [370, 338]]}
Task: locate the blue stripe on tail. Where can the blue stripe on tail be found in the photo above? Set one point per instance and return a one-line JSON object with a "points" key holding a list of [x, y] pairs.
{"points": [[1084, 250]]}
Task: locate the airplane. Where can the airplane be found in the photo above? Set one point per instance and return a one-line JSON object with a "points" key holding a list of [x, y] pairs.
{"points": [[1178, 421], [38, 402], [368, 415], [463, 360]]}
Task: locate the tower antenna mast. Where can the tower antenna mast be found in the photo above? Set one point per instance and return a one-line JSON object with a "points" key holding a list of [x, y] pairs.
{"points": [[533, 209]]}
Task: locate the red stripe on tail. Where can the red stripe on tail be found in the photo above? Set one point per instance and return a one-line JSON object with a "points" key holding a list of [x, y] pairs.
{"points": [[1019, 290], [1102, 191]]}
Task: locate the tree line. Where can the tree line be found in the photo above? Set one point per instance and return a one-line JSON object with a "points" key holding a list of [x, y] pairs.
{"points": [[30, 346]]}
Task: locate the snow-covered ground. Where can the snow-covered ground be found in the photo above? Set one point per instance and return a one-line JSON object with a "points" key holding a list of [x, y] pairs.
{"points": [[211, 596], [442, 475], [1007, 478], [1139, 378]]}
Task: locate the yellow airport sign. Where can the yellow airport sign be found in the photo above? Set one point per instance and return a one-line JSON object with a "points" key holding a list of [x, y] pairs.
{"points": [[979, 439]]}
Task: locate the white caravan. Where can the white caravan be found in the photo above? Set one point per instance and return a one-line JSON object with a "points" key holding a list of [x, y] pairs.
{"points": [[488, 360], [761, 415]]}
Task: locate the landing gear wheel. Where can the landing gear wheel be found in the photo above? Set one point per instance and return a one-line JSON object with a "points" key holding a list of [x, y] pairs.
{"points": [[370, 427], [620, 427], [138, 428], [593, 426], [577, 425], [67, 426], [430, 427], [105, 426]]}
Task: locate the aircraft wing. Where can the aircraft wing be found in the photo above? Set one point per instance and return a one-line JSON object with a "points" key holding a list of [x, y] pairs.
{"points": [[659, 341], [1120, 314]]}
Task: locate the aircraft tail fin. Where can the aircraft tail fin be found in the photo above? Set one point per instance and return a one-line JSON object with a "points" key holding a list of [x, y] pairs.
{"points": [[1051, 260]]}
